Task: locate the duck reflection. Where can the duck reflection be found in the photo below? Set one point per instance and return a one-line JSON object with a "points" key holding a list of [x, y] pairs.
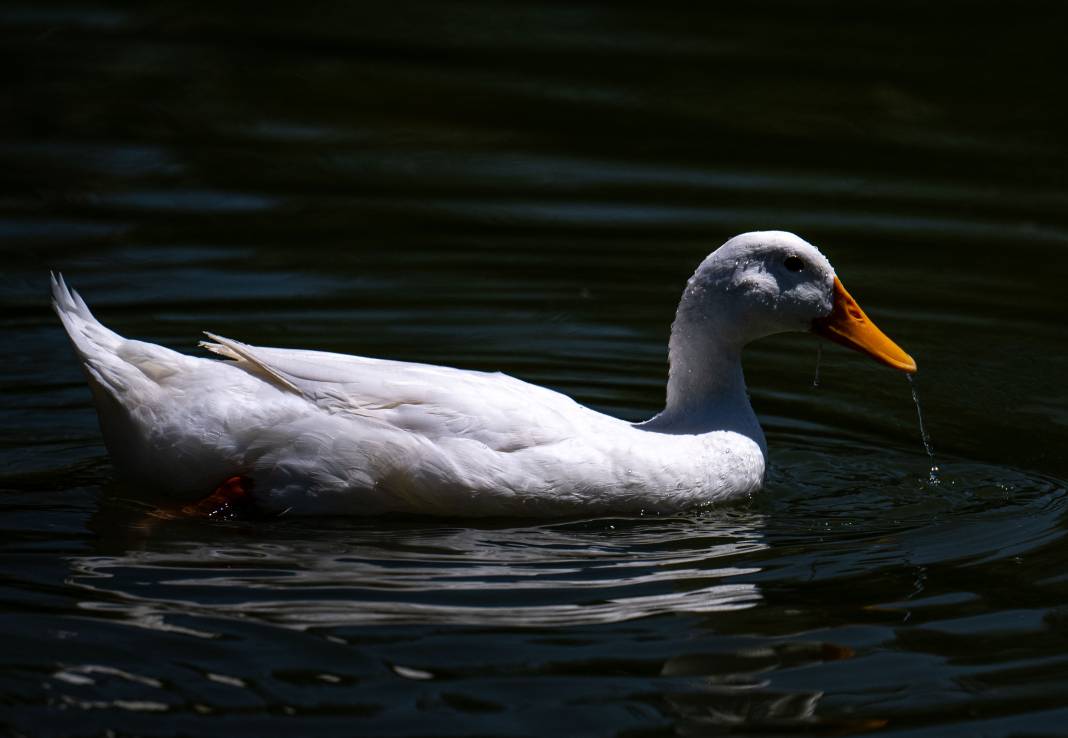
{"points": [[331, 573], [336, 580]]}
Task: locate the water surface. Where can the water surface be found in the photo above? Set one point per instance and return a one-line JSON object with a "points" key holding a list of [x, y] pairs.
{"points": [[526, 188]]}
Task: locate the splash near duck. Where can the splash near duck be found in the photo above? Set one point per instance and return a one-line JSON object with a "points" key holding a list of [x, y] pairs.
{"points": [[311, 432]]}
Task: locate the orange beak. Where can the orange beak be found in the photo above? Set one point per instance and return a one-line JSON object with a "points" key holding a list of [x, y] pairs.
{"points": [[848, 325]]}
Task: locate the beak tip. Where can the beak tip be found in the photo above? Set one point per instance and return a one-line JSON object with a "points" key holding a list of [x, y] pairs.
{"points": [[897, 360]]}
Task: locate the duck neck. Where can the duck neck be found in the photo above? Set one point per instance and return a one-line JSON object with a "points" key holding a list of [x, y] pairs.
{"points": [[706, 387]]}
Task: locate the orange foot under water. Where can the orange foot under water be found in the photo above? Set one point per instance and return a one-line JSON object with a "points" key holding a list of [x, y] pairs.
{"points": [[231, 500]]}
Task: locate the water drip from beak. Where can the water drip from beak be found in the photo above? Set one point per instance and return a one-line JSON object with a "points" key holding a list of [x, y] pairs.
{"points": [[933, 479]]}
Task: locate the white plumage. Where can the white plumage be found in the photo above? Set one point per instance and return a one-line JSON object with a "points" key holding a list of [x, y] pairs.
{"points": [[323, 433]]}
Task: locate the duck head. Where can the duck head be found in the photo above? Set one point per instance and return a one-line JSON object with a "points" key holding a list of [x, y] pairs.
{"points": [[755, 285], [762, 283]]}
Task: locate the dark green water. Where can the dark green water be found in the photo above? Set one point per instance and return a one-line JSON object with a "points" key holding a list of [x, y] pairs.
{"points": [[526, 188]]}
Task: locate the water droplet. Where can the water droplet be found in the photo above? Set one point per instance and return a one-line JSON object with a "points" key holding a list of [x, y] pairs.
{"points": [[933, 479]]}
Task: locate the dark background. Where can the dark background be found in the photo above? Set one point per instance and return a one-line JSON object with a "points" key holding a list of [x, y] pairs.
{"points": [[526, 187]]}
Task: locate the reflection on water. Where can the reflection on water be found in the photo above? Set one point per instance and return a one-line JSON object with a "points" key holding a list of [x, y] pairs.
{"points": [[719, 620], [572, 574]]}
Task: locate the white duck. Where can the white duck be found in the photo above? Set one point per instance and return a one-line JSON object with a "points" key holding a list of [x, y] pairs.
{"points": [[309, 432]]}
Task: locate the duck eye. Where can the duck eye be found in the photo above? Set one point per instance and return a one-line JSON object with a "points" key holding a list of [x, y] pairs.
{"points": [[794, 264]]}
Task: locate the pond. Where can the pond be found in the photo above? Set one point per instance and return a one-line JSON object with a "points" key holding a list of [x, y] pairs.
{"points": [[526, 187]]}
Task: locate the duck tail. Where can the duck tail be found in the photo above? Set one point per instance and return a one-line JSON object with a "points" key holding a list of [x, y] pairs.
{"points": [[94, 343], [86, 333]]}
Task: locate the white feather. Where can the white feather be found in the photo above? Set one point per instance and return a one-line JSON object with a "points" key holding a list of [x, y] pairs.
{"points": [[327, 433]]}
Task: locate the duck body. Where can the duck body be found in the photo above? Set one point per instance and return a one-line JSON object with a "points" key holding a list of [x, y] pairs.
{"points": [[325, 433]]}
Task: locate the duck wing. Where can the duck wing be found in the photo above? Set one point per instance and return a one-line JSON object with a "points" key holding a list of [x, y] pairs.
{"points": [[504, 413]]}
